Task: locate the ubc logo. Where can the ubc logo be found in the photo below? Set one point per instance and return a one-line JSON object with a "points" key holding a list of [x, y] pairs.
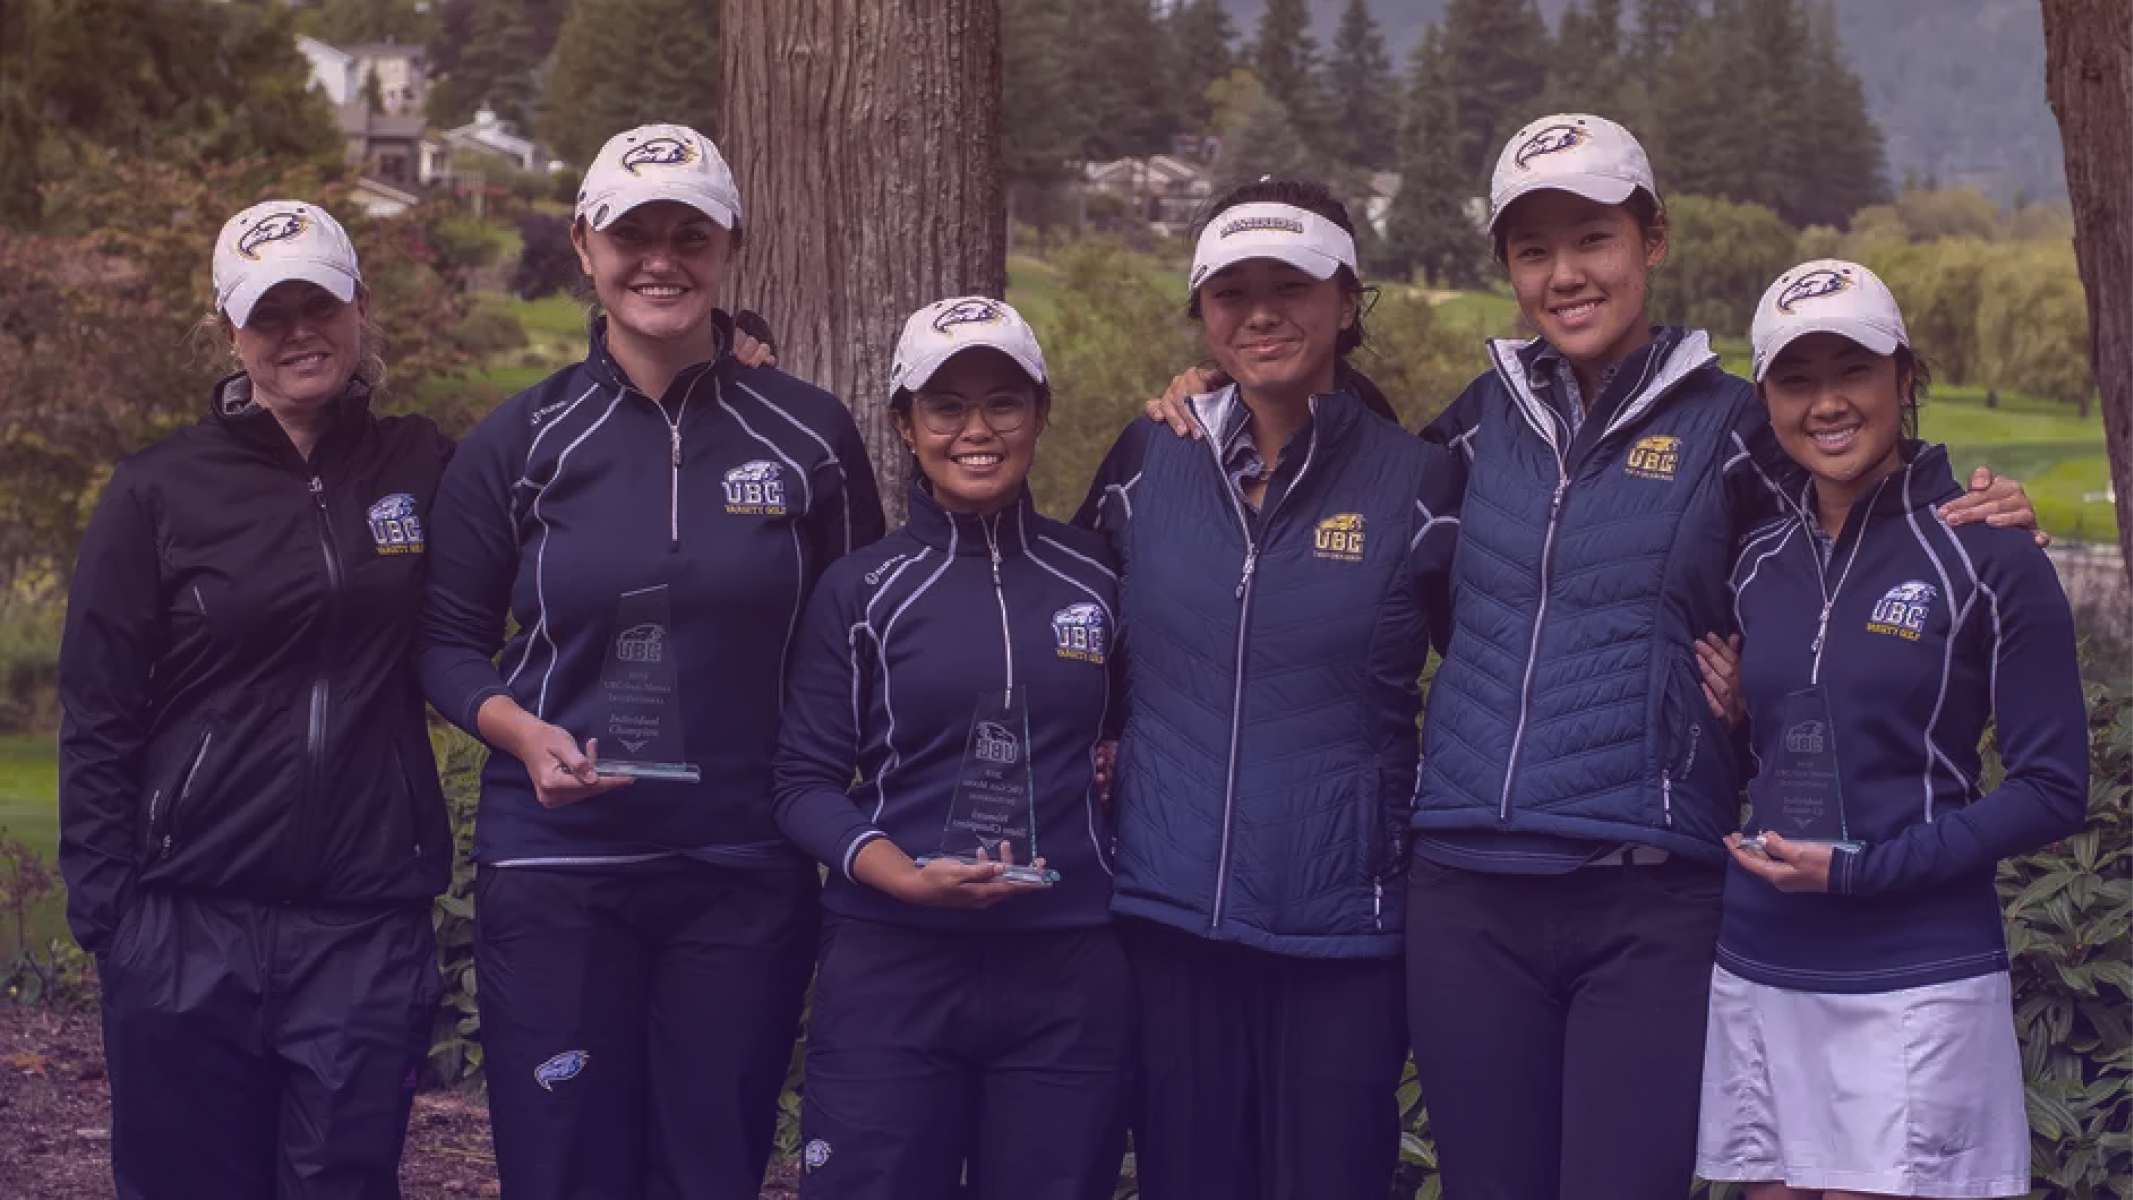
{"points": [[968, 312], [1903, 610], [1807, 737], [1812, 286], [1339, 537], [658, 152], [566, 1065], [1654, 457], [997, 744], [1079, 630], [275, 227], [394, 526], [646, 643], [756, 489], [1553, 140]]}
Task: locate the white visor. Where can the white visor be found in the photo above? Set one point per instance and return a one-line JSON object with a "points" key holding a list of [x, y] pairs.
{"points": [[946, 328], [1827, 295], [1301, 238]]}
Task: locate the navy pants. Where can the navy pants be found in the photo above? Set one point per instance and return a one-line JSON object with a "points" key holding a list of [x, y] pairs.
{"points": [[1558, 1025], [258, 1051], [1264, 1077], [985, 1065], [637, 1024]]}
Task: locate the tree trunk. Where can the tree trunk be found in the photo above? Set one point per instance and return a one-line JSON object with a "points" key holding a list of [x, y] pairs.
{"points": [[866, 139], [2088, 73]]}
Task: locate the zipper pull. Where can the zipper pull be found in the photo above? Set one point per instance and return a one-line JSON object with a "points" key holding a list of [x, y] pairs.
{"points": [[1562, 484], [992, 547], [1251, 564], [675, 434], [1821, 628], [318, 492]]}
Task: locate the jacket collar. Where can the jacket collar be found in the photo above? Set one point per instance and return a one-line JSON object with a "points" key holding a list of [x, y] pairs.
{"points": [[1924, 482], [1680, 359], [608, 373], [232, 407], [1223, 414], [961, 533]]}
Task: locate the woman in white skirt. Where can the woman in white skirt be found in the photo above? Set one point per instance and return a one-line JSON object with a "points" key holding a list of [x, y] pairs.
{"points": [[1862, 1037]]}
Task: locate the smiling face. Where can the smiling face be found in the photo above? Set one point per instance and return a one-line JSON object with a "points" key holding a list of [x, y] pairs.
{"points": [[1837, 408], [1581, 271], [657, 268], [1273, 328], [974, 429], [300, 345]]}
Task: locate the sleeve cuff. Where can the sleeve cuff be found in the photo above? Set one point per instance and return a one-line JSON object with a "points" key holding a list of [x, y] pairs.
{"points": [[851, 852], [1843, 871]]}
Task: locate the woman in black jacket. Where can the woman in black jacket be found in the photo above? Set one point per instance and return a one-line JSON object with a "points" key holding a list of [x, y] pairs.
{"points": [[251, 826]]}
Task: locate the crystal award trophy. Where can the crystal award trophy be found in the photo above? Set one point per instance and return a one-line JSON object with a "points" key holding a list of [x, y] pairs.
{"points": [[639, 708], [995, 797], [1803, 800]]}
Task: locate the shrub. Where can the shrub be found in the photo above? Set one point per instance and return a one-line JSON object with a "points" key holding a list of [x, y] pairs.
{"points": [[455, 1043], [547, 262], [491, 329]]}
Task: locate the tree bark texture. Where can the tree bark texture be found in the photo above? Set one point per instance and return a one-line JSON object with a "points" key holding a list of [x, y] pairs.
{"points": [[2088, 72], [865, 136]]}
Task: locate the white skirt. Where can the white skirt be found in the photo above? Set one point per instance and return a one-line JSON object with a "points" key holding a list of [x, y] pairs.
{"points": [[1910, 1093]]}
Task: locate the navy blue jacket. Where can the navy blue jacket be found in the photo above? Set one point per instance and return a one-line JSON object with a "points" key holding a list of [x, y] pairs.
{"points": [[1567, 703], [1268, 763], [1931, 632], [900, 641], [734, 490]]}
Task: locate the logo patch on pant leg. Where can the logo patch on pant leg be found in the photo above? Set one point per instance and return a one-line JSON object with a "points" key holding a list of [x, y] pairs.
{"points": [[567, 1065], [817, 1154]]}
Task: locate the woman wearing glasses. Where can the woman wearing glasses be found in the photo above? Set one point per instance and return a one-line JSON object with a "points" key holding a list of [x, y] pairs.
{"points": [[972, 1015]]}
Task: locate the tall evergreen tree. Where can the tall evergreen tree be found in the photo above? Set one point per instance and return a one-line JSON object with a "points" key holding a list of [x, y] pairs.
{"points": [[1285, 57], [497, 69], [1696, 139], [1268, 145], [1428, 229], [1844, 168], [1495, 59], [1041, 129], [1362, 93], [621, 63], [1588, 75], [1122, 79], [1203, 44], [1770, 101]]}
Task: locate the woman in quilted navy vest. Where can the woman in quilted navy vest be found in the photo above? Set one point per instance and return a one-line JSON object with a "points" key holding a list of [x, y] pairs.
{"points": [[1282, 575]]}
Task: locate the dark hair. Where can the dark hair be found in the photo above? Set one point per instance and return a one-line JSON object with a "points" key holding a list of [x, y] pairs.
{"points": [[1909, 361], [1643, 207], [1313, 198]]}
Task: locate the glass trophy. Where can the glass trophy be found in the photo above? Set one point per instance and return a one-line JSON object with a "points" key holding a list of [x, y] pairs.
{"points": [[639, 709], [995, 797], [1803, 801]]}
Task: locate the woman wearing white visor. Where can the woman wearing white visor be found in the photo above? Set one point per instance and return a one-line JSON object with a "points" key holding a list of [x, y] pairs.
{"points": [[1861, 1038], [652, 520], [1283, 573]]}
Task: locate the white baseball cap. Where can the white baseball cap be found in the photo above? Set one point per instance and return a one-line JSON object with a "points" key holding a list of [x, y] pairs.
{"points": [[1570, 152], [658, 162], [275, 242], [946, 328], [1827, 295], [1283, 232]]}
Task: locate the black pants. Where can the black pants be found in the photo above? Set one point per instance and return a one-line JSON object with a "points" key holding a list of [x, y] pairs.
{"points": [[1264, 1077], [1558, 1025], [260, 1051], [1006, 1053], [637, 1025]]}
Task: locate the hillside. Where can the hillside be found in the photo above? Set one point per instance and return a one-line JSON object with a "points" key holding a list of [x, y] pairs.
{"points": [[1957, 85]]}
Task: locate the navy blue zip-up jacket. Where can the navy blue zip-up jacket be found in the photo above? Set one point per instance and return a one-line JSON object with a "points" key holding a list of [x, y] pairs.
{"points": [[900, 641], [241, 716], [735, 490], [1931, 631], [1567, 703], [1268, 764]]}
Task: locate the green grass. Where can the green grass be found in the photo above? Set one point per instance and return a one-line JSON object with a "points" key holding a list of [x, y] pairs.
{"points": [[29, 790], [1487, 314], [1033, 287]]}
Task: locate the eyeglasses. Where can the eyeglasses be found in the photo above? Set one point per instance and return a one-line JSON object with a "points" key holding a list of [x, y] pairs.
{"points": [[945, 415]]}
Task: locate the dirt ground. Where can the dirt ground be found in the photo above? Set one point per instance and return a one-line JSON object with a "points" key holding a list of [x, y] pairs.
{"points": [[55, 1121]]}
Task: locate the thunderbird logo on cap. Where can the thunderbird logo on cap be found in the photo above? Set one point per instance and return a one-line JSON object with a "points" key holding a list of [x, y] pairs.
{"points": [[658, 152], [276, 227], [1812, 286], [967, 312], [1553, 140]]}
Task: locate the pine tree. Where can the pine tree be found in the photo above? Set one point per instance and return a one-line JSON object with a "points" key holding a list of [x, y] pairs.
{"points": [[1268, 145], [1696, 140], [497, 70], [1844, 168], [1660, 24], [1361, 91], [1122, 80], [1041, 126], [1495, 59], [1588, 73], [1285, 57], [1202, 41], [1428, 229], [1770, 97], [623, 63]]}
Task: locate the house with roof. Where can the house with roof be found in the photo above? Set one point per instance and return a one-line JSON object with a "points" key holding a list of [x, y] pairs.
{"points": [[1164, 190]]}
